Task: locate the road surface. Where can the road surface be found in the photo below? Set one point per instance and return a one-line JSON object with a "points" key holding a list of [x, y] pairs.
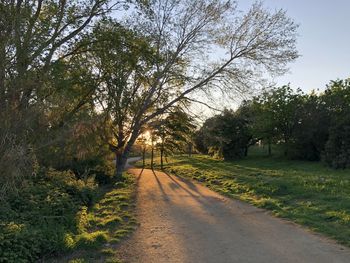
{"points": [[182, 221]]}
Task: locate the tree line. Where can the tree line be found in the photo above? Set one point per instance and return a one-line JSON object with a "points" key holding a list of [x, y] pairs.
{"points": [[313, 127], [82, 79]]}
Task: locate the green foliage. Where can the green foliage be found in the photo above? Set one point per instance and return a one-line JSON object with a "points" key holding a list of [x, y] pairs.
{"points": [[277, 114], [41, 88], [34, 223], [337, 101], [173, 132], [226, 135], [337, 151], [57, 213], [305, 192], [312, 130], [109, 220], [307, 126]]}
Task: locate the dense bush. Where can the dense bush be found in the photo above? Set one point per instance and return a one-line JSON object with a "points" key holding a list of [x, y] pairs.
{"points": [[337, 151], [311, 130], [97, 168], [35, 223], [225, 135], [337, 100]]}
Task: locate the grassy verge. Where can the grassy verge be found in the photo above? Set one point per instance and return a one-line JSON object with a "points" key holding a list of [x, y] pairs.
{"points": [[57, 218], [102, 227], [307, 193]]}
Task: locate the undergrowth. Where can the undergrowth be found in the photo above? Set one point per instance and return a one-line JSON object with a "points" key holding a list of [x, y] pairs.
{"points": [[57, 217]]}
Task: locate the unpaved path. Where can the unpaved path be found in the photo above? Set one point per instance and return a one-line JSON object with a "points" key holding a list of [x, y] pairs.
{"points": [[182, 221]]}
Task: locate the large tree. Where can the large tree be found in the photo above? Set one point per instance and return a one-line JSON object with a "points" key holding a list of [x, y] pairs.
{"points": [[201, 45], [36, 40], [35, 35]]}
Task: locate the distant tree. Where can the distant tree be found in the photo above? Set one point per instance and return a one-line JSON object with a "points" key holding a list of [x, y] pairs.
{"points": [[337, 101], [280, 114], [226, 135], [199, 141], [173, 133], [312, 130], [260, 121]]}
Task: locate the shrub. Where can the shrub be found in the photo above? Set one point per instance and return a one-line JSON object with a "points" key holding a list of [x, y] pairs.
{"points": [[337, 150], [96, 167], [36, 222]]}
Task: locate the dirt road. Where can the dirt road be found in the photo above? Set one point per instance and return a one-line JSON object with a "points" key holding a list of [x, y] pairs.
{"points": [[182, 221]]}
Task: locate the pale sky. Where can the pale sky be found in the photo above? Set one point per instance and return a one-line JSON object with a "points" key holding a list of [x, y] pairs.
{"points": [[323, 42]]}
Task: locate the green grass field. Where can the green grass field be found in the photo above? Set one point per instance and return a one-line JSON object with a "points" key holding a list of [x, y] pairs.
{"points": [[305, 192]]}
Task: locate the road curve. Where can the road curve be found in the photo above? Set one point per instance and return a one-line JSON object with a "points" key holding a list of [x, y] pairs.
{"points": [[183, 221]]}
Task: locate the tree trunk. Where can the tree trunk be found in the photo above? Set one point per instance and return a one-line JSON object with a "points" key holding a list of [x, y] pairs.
{"points": [[143, 157], [121, 159], [2, 72], [246, 151], [286, 144], [161, 158], [190, 149], [269, 147], [152, 155]]}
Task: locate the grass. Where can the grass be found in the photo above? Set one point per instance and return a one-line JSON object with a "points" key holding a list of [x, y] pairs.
{"points": [[59, 218], [308, 193], [104, 225]]}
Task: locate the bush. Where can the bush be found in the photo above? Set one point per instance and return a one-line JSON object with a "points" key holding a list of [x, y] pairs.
{"points": [[17, 163], [337, 151], [96, 167], [35, 223], [226, 135]]}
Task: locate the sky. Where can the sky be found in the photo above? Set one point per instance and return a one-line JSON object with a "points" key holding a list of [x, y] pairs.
{"points": [[323, 42]]}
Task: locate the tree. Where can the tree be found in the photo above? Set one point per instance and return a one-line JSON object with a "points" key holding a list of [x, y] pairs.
{"points": [[36, 41], [280, 114], [259, 121], [180, 35], [199, 142], [120, 60], [312, 129], [172, 133], [35, 36], [226, 135], [337, 101]]}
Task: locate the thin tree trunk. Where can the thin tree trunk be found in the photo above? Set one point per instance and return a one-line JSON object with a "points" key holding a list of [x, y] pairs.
{"points": [[269, 147], [190, 150], [286, 141], [143, 157], [161, 157], [2, 73], [152, 155]]}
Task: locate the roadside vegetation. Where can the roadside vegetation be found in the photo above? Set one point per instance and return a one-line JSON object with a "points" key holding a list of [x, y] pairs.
{"points": [[307, 193], [57, 216]]}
